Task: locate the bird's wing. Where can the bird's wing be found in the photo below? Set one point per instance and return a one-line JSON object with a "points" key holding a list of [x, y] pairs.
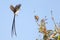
{"points": [[12, 8], [17, 7]]}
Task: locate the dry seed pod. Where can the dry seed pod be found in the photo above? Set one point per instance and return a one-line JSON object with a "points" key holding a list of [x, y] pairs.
{"points": [[37, 18]]}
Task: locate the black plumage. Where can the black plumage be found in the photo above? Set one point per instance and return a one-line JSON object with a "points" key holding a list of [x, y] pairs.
{"points": [[14, 9]]}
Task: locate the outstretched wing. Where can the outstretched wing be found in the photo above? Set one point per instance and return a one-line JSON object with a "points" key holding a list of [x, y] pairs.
{"points": [[17, 7], [12, 8]]}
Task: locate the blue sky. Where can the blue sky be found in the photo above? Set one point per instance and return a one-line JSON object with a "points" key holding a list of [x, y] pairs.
{"points": [[26, 26]]}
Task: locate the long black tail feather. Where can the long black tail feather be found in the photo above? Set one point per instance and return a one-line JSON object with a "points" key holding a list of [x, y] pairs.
{"points": [[13, 27]]}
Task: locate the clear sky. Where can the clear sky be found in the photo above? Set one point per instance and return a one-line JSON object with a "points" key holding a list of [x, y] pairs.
{"points": [[26, 26]]}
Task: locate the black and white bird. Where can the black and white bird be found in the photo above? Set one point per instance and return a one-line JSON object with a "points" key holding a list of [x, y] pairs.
{"points": [[15, 11]]}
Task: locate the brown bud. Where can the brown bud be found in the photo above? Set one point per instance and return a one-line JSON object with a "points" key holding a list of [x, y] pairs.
{"points": [[37, 18]]}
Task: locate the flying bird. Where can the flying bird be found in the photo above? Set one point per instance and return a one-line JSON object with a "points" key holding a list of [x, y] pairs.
{"points": [[15, 11]]}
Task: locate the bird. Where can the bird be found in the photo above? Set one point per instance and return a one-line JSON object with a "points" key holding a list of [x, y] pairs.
{"points": [[15, 10]]}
